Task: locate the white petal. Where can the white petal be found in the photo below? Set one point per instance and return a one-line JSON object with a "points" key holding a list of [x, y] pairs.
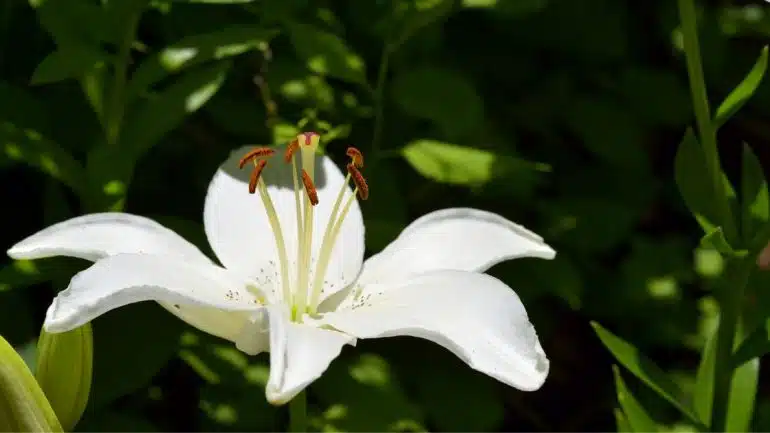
{"points": [[127, 278], [476, 316], [239, 232], [299, 354], [459, 239], [95, 236]]}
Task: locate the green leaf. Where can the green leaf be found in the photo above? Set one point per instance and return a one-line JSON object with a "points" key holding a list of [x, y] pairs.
{"points": [[363, 394], [66, 63], [131, 345], [326, 54], [692, 179], [461, 165], [636, 415], [703, 395], [195, 50], [621, 421], [715, 239], [743, 395], [641, 367], [165, 110], [411, 16], [755, 345], [30, 147], [755, 200], [743, 91], [422, 93]]}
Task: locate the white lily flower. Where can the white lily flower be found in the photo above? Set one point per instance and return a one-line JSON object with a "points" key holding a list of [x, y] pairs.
{"points": [[293, 280]]}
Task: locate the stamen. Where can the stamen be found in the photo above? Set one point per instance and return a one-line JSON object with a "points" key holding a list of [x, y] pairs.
{"points": [[356, 156], [312, 194], [359, 181], [259, 152], [291, 149], [254, 178]]}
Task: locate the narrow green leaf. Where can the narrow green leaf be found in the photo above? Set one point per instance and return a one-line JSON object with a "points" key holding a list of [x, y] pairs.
{"points": [[30, 147], [165, 110], [743, 91], [461, 165], [703, 398], [755, 345], [195, 50], [690, 171], [621, 421], [743, 395], [716, 240], [643, 368], [755, 200], [637, 416], [326, 54], [66, 63]]}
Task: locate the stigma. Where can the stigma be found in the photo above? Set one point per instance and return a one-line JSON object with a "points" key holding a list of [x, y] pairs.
{"points": [[302, 290]]}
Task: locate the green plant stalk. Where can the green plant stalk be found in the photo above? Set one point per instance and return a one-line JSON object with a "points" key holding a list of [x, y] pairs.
{"points": [[117, 97], [298, 413], [732, 289], [706, 129]]}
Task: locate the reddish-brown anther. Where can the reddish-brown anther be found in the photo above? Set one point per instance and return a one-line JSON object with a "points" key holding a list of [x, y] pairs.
{"points": [[356, 156], [312, 194], [254, 178], [359, 181], [259, 152], [291, 149]]}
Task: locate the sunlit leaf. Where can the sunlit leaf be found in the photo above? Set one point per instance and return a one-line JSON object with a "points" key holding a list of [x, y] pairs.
{"points": [[703, 396], [743, 395], [461, 165], [621, 422], [635, 413], [164, 111], [326, 54], [738, 97], [643, 368], [194, 50]]}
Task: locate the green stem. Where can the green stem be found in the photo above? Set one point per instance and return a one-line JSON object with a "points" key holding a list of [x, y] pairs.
{"points": [[706, 129], [379, 91], [298, 413], [730, 314], [117, 99]]}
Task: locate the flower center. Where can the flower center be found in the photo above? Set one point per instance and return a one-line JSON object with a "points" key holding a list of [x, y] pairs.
{"points": [[304, 295]]}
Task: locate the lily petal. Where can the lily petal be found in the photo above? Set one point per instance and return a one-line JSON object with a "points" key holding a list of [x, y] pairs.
{"points": [[299, 354], [476, 316], [128, 278], [458, 239], [95, 236], [240, 234]]}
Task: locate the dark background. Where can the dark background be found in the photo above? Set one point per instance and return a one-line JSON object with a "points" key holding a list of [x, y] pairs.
{"points": [[562, 115]]}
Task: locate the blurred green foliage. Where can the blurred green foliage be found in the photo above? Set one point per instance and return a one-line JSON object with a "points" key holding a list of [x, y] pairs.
{"points": [[562, 115]]}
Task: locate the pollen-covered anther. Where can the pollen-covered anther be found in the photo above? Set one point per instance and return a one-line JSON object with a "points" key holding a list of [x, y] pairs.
{"points": [[259, 152], [254, 178], [359, 181], [312, 194], [291, 149], [356, 156]]}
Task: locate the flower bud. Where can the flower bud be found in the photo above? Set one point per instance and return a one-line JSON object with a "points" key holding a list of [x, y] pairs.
{"points": [[23, 405], [64, 369]]}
